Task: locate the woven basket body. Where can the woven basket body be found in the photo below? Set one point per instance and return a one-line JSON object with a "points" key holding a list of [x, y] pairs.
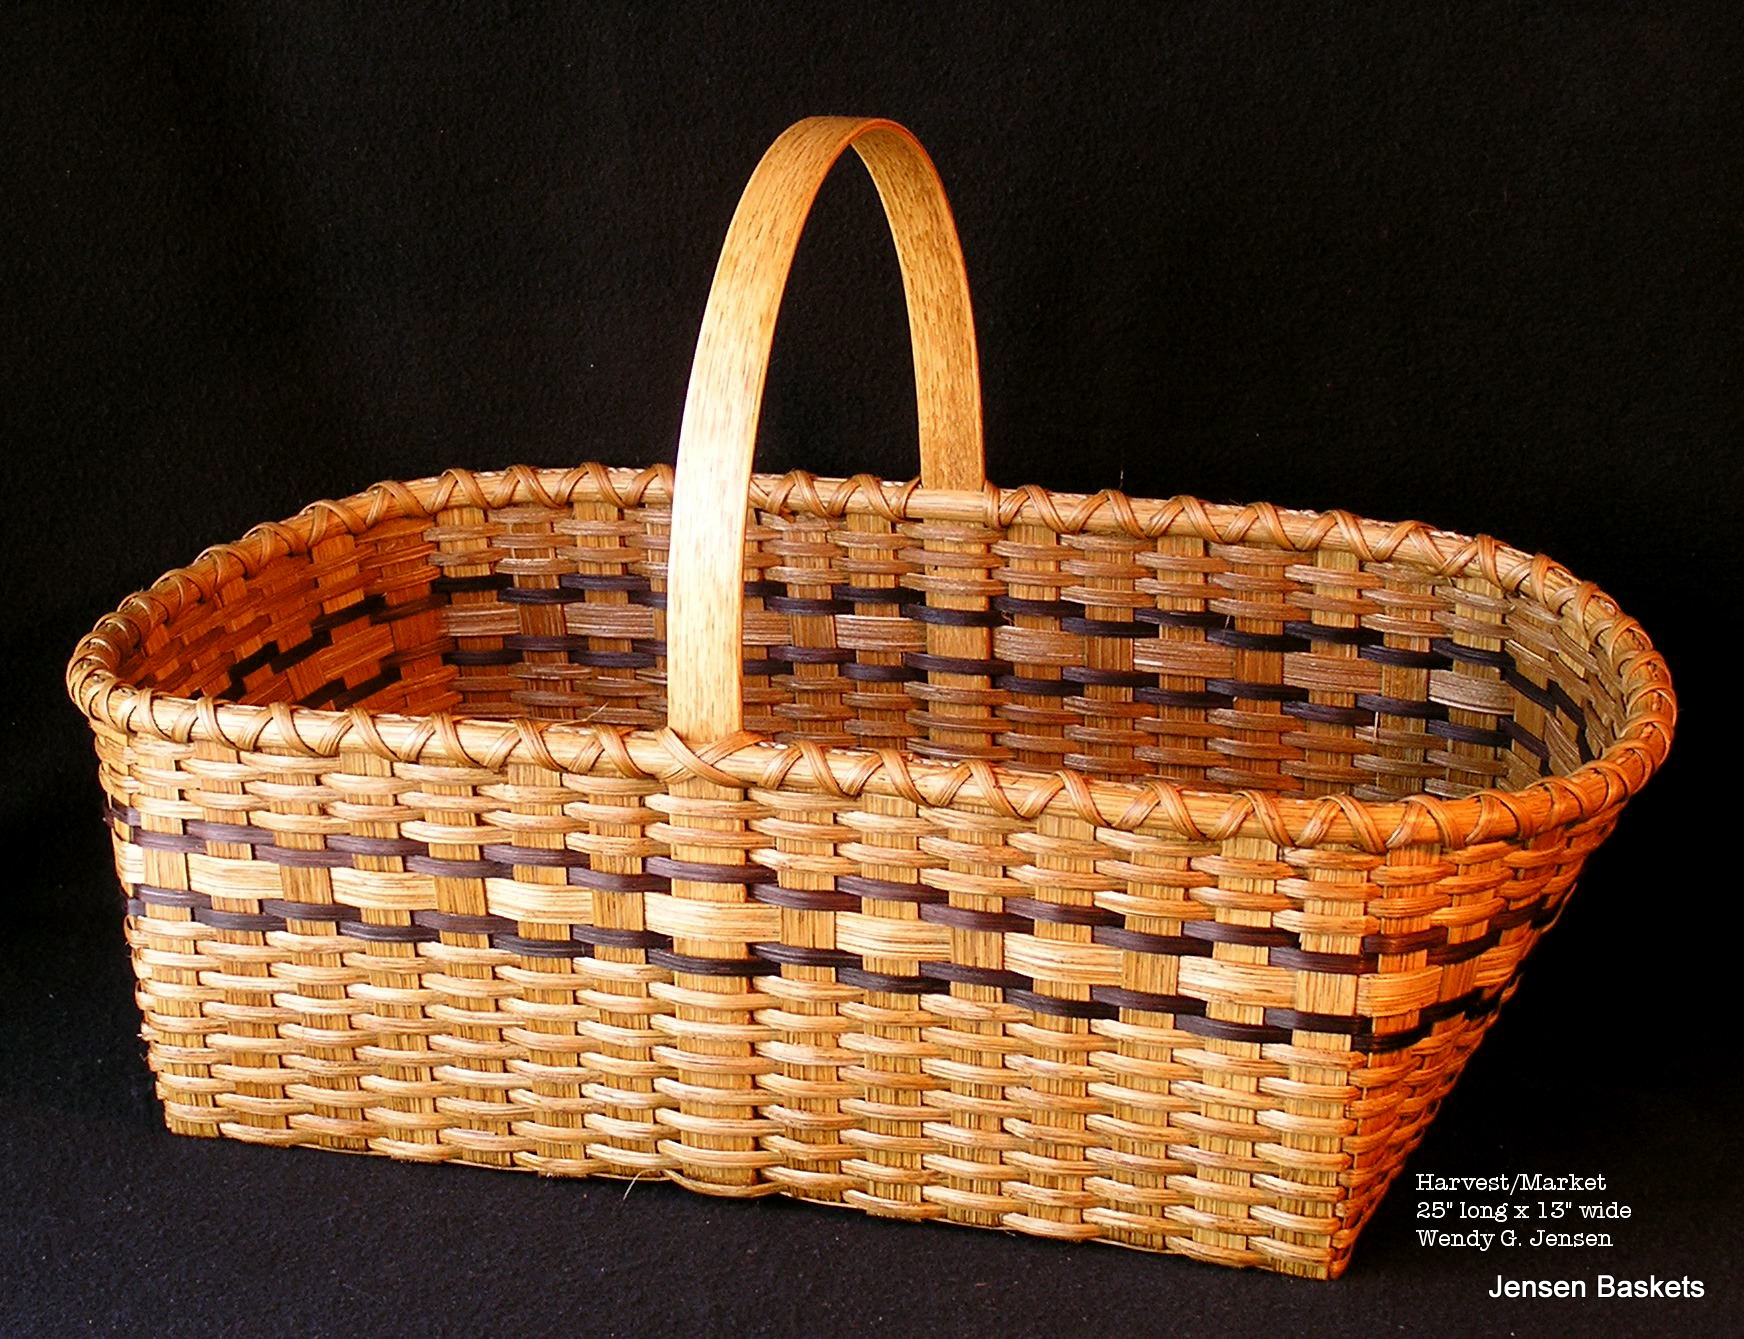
{"points": [[1095, 867]]}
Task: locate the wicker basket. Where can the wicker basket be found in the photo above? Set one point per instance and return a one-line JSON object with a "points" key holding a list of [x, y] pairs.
{"points": [[1100, 868]]}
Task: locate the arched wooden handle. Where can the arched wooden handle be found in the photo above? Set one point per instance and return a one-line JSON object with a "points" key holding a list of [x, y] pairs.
{"points": [[706, 561]]}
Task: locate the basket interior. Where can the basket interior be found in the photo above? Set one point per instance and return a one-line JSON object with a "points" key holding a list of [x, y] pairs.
{"points": [[1113, 654]]}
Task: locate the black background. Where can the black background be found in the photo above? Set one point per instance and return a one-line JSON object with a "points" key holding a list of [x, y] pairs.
{"points": [[1472, 264]]}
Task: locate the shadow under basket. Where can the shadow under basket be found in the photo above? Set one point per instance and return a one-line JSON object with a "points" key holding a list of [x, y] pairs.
{"points": [[1100, 868]]}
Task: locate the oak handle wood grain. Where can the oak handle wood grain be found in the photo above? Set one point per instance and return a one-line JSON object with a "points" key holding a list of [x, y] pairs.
{"points": [[719, 433]]}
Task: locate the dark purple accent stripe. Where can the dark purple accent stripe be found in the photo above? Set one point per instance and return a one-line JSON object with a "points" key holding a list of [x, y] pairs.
{"points": [[697, 871], [1117, 628], [1176, 697], [542, 595], [529, 855], [387, 934], [684, 962], [367, 607], [1139, 941], [882, 981], [585, 581], [953, 618], [1059, 913], [878, 594], [1257, 692], [1122, 998], [648, 599], [976, 976], [307, 911], [1279, 1023], [1181, 618], [1543, 697], [549, 642], [1472, 654], [236, 920], [1254, 936], [1398, 655], [121, 813], [1223, 1030], [1449, 954], [170, 897], [285, 660], [763, 669], [805, 899], [807, 607], [467, 585], [887, 889], [181, 843], [1101, 678], [812, 655], [539, 948], [240, 834], [1296, 1021], [789, 956], [1056, 1007], [456, 869], [1369, 1042], [605, 881], [1408, 941], [276, 913], [967, 918], [1014, 683], [424, 604], [602, 937], [1443, 1009], [295, 859], [454, 923], [633, 659], [1515, 916], [865, 673], [1338, 636], [1337, 964], [1399, 706], [257, 659], [468, 656], [1255, 641], [377, 846], [1105, 1000], [1472, 1006], [932, 664], [1014, 607], [400, 659], [1470, 734], [1325, 715]]}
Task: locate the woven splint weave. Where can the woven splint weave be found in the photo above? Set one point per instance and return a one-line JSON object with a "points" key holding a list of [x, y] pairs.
{"points": [[1102, 868]]}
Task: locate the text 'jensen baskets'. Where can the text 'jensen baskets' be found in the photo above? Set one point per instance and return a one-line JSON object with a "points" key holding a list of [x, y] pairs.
{"points": [[1096, 867]]}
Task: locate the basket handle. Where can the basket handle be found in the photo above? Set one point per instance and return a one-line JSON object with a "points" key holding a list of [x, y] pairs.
{"points": [[705, 685]]}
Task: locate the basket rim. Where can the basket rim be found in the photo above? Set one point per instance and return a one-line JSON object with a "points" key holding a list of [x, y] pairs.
{"points": [[751, 760]]}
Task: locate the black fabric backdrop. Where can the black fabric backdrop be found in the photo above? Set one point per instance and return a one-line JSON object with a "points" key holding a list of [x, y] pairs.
{"points": [[1473, 267]]}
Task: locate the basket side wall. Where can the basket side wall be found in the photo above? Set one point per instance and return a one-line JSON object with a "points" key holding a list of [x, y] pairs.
{"points": [[1222, 1047]]}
